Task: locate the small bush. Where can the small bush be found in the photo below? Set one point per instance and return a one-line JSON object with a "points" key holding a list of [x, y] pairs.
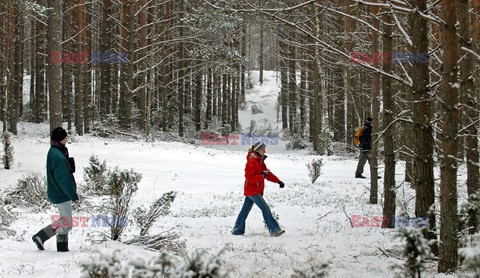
{"points": [[297, 143], [312, 272], [7, 216], [31, 190], [415, 251], [199, 264], [471, 256], [469, 214], [121, 185], [105, 266], [160, 207], [95, 176], [7, 157], [315, 169]]}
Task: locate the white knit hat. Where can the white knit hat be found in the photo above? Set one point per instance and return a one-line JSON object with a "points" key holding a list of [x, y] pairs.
{"points": [[258, 146]]}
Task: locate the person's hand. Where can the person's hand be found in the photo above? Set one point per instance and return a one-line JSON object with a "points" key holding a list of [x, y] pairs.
{"points": [[265, 173], [282, 185]]}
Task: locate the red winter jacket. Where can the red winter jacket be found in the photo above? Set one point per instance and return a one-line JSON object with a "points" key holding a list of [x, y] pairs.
{"points": [[254, 180]]}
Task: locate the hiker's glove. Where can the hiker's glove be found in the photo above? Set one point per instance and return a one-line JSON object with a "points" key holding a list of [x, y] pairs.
{"points": [[282, 185], [265, 173]]}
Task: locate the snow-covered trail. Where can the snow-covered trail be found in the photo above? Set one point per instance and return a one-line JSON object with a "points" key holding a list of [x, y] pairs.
{"points": [[209, 182]]}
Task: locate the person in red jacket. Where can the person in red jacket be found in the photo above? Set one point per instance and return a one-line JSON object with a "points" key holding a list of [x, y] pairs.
{"points": [[255, 173]]}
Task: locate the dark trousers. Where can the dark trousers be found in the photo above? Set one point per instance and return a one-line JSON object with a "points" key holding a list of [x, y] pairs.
{"points": [[364, 157]]}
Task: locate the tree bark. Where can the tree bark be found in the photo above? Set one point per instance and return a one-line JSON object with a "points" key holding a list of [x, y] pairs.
{"points": [[375, 115], [423, 180], [388, 126], [470, 107], [54, 37], [448, 170]]}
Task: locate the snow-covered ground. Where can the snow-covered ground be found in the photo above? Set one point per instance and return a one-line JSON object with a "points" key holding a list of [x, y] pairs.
{"points": [[209, 181]]}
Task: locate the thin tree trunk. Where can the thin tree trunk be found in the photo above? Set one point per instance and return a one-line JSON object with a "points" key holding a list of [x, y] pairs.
{"points": [[261, 53], [208, 114], [11, 121], [106, 75], [198, 100], [303, 92], [142, 67], [292, 82], [375, 115], [388, 126], [79, 93], [39, 101]]}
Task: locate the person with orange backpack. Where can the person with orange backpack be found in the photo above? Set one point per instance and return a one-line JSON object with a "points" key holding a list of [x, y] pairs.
{"points": [[365, 146]]}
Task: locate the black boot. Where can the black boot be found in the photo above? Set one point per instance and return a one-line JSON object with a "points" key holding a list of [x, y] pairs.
{"points": [[62, 243], [42, 236]]}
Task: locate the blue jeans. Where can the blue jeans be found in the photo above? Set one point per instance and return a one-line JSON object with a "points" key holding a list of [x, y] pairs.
{"points": [[272, 224]]}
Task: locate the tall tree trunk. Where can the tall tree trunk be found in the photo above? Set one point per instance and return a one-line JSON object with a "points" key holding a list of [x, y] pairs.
{"points": [[423, 180], [448, 170], [181, 72], [198, 99], [261, 53], [292, 82], [388, 126], [318, 87], [375, 115], [303, 91], [142, 67], [353, 118], [19, 49], [54, 36], [243, 53], [106, 39], [79, 93], [87, 79], [33, 70], [39, 100], [68, 20], [224, 99], [208, 114], [470, 108], [284, 81], [127, 69], [3, 62], [11, 111]]}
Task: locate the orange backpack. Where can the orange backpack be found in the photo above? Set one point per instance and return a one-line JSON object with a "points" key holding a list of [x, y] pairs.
{"points": [[356, 138]]}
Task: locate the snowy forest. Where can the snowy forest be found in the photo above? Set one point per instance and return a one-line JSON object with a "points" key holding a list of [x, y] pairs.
{"points": [[154, 92]]}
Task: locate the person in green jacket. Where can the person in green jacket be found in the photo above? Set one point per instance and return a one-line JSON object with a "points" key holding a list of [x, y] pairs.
{"points": [[61, 191]]}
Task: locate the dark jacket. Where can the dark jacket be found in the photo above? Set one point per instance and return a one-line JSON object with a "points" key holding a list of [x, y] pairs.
{"points": [[366, 137], [254, 180], [61, 186]]}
